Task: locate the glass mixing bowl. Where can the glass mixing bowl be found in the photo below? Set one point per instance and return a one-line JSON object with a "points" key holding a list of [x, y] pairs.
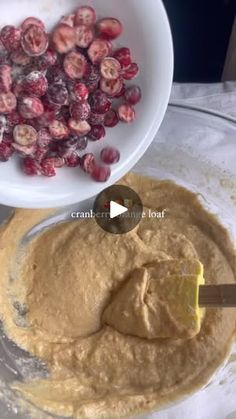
{"points": [[195, 148]]}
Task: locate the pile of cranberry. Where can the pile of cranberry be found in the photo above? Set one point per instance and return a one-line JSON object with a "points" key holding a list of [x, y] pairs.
{"points": [[59, 91]]}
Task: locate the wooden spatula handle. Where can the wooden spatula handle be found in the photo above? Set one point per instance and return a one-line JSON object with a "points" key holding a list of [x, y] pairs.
{"points": [[217, 295]]}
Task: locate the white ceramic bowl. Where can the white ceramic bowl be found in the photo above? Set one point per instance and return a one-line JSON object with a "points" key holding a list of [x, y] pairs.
{"points": [[148, 35]]}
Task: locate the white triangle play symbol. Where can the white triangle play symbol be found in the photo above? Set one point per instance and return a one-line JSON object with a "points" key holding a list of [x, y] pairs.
{"points": [[116, 209]]}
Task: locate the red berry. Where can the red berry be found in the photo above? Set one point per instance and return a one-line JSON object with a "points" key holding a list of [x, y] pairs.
{"points": [[79, 128], [110, 155], [73, 160], [24, 150], [10, 37], [35, 84], [58, 161], [111, 87], [80, 110], [48, 167], [6, 151], [97, 132], [109, 28], [32, 21], [96, 118], [99, 102], [98, 50], [12, 119], [48, 59], [68, 20], [7, 102], [75, 65], [58, 94], [126, 113], [123, 55], [55, 74], [30, 107], [111, 118], [25, 135], [78, 91], [44, 138], [19, 57], [63, 38], [18, 87], [46, 118], [58, 130], [84, 36], [34, 41], [5, 78], [130, 72], [85, 15], [88, 162], [110, 68], [40, 153], [75, 143], [101, 173], [133, 95], [31, 167], [121, 93]]}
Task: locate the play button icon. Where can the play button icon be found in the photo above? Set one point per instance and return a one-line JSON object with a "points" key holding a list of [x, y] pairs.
{"points": [[118, 209]]}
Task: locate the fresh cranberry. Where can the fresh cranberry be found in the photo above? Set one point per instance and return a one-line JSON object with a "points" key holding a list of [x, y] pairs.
{"points": [[110, 68], [99, 102], [6, 151], [96, 118], [110, 155], [111, 118], [10, 37], [85, 15], [31, 167], [73, 160], [63, 38], [48, 59], [123, 55], [7, 102], [30, 107], [24, 135], [97, 132], [58, 94], [35, 84], [83, 36], [5, 78], [133, 95], [109, 28], [130, 72], [79, 128], [80, 110], [98, 50], [101, 173], [34, 41], [75, 65], [48, 167], [88, 162], [126, 113]]}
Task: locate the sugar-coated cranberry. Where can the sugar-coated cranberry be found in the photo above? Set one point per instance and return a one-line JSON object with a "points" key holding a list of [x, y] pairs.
{"points": [[97, 132], [6, 151], [109, 28], [85, 15], [99, 102], [5, 78], [126, 113], [7, 102], [19, 57], [76, 143], [84, 36], [96, 118], [34, 41], [47, 167], [58, 94], [73, 160], [12, 119], [48, 59], [111, 87], [130, 72], [40, 153], [55, 74], [78, 91], [110, 155], [88, 162], [46, 118], [68, 20], [32, 21], [133, 95], [79, 128], [111, 118], [35, 84], [30, 166], [24, 135], [101, 173], [110, 68], [80, 110], [10, 37], [24, 150], [75, 65], [44, 137], [123, 55], [30, 107], [98, 50], [58, 130]]}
